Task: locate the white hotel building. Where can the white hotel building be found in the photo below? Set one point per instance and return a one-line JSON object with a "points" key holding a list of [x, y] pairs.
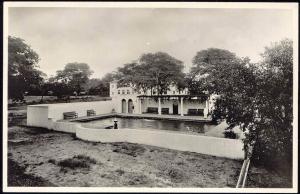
{"points": [[173, 102]]}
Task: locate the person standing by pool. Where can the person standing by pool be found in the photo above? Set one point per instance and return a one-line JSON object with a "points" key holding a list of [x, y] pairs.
{"points": [[115, 124]]}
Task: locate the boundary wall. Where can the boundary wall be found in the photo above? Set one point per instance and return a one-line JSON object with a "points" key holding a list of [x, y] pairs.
{"points": [[41, 114], [220, 147]]}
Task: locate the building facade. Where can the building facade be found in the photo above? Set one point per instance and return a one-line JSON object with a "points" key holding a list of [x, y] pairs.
{"points": [[173, 102]]}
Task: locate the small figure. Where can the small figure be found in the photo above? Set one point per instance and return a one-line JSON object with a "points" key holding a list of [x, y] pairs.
{"points": [[115, 124]]}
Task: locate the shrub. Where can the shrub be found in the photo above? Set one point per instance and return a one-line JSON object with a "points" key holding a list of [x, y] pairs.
{"points": [[86, 158], [78, 161], [230, 134], [73, 163], [120, 171], [129, 149], [52, 161], [135, 179]]}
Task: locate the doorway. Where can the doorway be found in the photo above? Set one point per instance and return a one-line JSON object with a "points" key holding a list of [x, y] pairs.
{"points": [[130, 106], [123, 106], [175, 109]]}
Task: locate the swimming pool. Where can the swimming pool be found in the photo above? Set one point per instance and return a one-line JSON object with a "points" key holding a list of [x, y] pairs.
{"points": [[170, 125]]}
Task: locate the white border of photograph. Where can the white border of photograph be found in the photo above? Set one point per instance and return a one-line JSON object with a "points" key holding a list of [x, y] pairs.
{"points": [[290, 6]]}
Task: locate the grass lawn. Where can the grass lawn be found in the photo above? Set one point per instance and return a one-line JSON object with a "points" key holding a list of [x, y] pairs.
{"points": [[54, 99], [39, 157]]}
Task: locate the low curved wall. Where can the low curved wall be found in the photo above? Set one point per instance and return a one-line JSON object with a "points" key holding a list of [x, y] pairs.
{"points": [[67, 127], [221, 147]]}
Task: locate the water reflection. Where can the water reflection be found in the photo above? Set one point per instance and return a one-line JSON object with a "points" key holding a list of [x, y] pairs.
{"points": [[184, 126]]}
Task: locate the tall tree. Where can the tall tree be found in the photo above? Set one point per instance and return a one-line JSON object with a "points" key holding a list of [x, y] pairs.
{"points": [[206, 64], [154, 71], [162, 69], [23, 74], [126, 75], [275, 106], [75, 75], [212, 57], [98, 86], [258, 98], [109, 77]]}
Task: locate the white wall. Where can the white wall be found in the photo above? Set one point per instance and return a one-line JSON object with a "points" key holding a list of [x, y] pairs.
{"points": [[67, 127], [117, 102], [221, 147], [101, 107], [40, 115], [37, 116]]}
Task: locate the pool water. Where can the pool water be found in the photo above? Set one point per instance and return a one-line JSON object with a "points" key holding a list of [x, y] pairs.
{"points": [[181, 126]]}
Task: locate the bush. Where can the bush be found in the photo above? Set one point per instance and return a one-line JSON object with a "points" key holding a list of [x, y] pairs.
{"points": [[120, 171], [78, 161], [230, 134], [52, 161], [129, 149], [136, 179]]}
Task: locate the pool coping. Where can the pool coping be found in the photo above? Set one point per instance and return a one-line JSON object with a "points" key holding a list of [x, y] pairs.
{"points": [[142, 116]]}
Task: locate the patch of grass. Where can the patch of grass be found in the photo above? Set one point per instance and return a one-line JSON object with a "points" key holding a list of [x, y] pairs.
{"points": [[52, 161], [232, 180], [37, 130], [259, 178], [137, 180], [19, 142], [86, 158], [180, 163], [174, 173], [120, 171], [86, 184], [78, 161], [129, 149], [16, 176], [11, 135], [16, 122]]}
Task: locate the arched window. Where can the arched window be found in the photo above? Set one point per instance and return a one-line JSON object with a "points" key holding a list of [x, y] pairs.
{"points": [[123, 106], [130, 106]]}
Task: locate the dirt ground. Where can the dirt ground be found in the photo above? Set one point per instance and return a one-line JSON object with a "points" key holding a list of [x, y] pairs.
{"points": [[41, 153], [39, 157]]}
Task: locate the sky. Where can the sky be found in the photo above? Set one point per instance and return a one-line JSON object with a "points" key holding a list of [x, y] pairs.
{"points": [[107, 38]]}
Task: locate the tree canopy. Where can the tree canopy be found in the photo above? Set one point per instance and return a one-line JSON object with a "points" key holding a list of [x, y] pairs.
{"points": [[23, 74], [100, 86], [206, 64], [153, 71], [275, 104], [256, 97], [75, 75]]}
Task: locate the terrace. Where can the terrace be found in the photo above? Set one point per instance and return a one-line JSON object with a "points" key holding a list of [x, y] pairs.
{"points": [[173, 109]]}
